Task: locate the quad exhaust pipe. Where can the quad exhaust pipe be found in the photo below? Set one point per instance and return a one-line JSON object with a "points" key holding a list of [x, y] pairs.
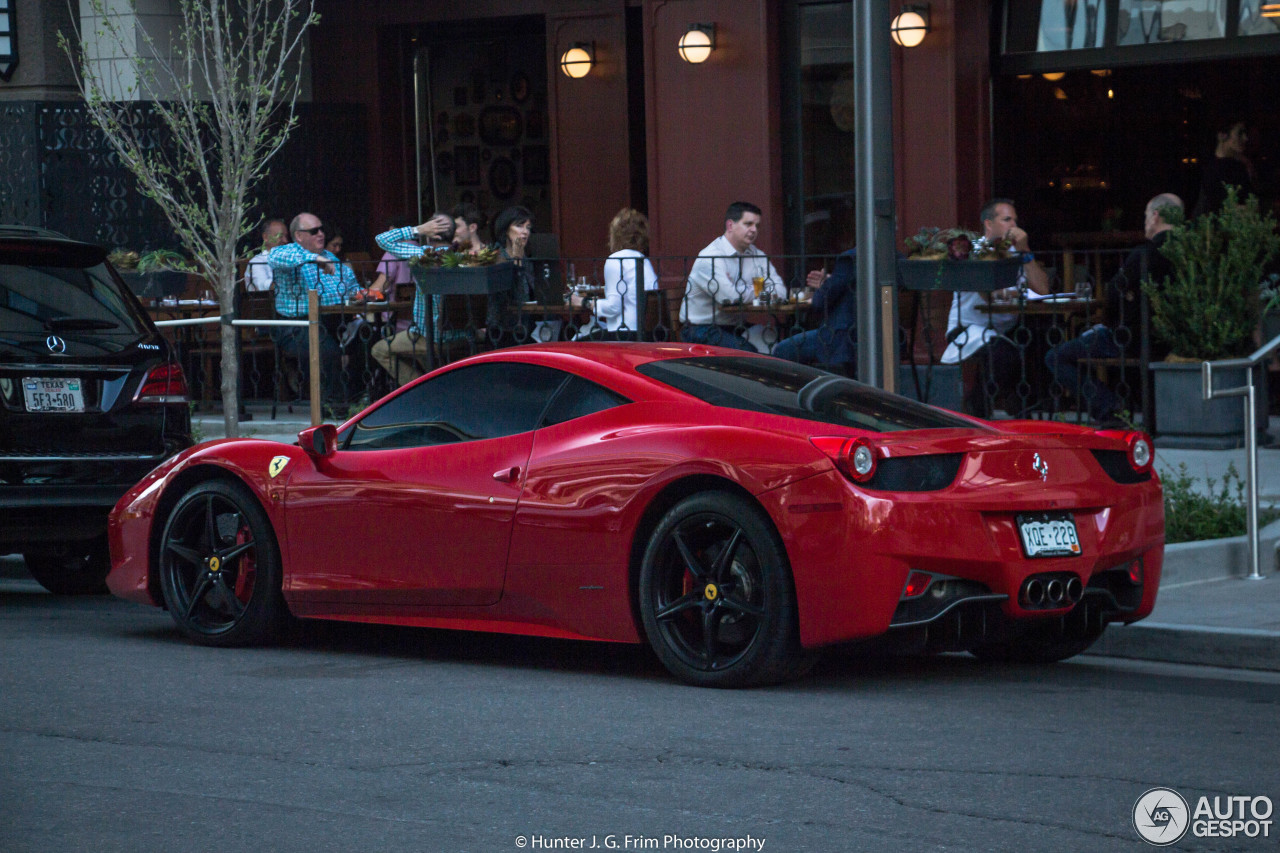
{"points": [[1051, 591]]}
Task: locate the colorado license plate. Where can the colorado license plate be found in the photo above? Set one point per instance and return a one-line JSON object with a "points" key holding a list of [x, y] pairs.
{"points": [[1048, 534], [52, 395]]}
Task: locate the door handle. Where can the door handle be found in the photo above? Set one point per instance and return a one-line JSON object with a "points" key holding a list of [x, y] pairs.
{"points": [[507, 475]]}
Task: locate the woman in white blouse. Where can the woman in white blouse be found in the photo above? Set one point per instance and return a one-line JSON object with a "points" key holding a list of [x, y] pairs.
{"points": [[628, 243]]}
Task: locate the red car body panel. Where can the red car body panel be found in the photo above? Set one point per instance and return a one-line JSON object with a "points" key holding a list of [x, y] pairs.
{"points": [[539, 533]]}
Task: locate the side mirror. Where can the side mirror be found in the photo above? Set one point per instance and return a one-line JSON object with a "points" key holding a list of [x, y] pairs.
{"points": [[319, 441]]}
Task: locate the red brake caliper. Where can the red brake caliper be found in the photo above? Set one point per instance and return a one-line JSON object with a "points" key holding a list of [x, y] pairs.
{"points": [[248, 568]]}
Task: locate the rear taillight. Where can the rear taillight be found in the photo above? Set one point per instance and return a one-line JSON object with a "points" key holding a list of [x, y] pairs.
{"points": [[855, 457], [917, 583], [165, 383], [1140, 454]]}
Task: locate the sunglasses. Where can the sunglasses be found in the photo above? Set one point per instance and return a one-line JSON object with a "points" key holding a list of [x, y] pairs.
{"points": [[312, 231]]}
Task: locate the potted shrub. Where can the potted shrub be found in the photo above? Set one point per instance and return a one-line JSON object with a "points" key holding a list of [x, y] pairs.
{"points": [[1208, 310]]}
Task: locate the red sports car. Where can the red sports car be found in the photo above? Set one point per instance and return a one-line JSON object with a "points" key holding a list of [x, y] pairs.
{"points": [[737, 512]]}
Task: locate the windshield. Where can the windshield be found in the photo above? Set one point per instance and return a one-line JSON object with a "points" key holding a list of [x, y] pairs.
{"points": [[67, 291], [785, 388]]}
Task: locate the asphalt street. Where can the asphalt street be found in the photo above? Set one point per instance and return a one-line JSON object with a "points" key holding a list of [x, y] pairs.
{"points": [[118, 735]]}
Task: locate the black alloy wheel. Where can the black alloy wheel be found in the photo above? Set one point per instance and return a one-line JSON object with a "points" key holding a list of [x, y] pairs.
{"points": [[716, 596], [220, 567]]}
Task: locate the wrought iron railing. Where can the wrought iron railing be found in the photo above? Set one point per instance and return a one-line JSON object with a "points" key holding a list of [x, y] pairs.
{"points": [[776, 315]]}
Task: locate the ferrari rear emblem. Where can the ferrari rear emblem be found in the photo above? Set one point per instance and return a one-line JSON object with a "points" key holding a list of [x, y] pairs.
{"points": [[1040, 467], [277, 465], [711, 592]]}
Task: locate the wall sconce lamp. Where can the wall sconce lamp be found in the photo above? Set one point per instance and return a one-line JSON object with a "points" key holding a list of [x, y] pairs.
{"points": [[910, 26], [8, 39], [577, 60], [697, 43]]}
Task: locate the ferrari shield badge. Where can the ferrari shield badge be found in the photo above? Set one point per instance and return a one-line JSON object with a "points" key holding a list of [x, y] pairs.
{"points": [[277, 465]]}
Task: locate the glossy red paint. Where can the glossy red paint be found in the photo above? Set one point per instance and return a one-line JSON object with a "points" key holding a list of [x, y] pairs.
{"points": [[539, 533]]}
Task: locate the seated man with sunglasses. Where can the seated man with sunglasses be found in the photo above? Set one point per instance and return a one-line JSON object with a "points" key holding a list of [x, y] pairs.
{"points": [[296, 268]]}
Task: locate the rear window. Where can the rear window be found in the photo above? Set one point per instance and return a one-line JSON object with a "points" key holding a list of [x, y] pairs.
{"points": [[782, 387], [67, 290]]}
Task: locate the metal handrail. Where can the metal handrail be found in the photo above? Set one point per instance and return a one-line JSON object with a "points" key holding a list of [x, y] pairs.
{"points": [[1250, 431]]}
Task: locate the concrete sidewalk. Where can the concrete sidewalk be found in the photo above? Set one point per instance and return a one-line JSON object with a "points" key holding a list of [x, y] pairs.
{"points": [[1207, 612]]}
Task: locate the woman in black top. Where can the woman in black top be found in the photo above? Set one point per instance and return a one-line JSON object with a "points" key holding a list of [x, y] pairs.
{"points": [[511, 232]]}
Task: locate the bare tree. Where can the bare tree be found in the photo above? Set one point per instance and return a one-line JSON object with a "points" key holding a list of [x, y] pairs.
{"points": [[223, 84]]}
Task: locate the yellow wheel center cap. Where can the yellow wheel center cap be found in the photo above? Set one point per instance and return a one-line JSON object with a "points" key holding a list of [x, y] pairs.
{"points": [[711, 592], [214, 564]]}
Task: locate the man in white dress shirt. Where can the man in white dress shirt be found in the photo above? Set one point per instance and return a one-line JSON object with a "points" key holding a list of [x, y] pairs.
{"points": [[722, 275], [973, 332], [257, 276]]}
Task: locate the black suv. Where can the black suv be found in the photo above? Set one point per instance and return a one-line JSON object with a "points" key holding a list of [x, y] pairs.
{"points": [[91, 399]]}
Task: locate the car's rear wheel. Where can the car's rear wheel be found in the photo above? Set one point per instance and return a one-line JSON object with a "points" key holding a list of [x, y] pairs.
{"points": [[1041, 644], [716, 595], [79, 569], [220, 567]]}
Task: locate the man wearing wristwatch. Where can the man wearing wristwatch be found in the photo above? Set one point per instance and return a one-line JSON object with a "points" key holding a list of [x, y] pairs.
{"points": [[972, 332]]}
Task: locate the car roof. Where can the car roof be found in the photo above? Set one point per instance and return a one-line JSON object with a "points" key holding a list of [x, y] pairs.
{"points": [[619, 355], [32, 232], [610, 363]]}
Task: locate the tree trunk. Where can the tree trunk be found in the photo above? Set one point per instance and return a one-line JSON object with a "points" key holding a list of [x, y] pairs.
{"points": [[230, 356]]}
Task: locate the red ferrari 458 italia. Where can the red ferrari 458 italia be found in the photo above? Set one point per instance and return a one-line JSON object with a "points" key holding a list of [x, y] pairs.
{"points": [[736, 512]]}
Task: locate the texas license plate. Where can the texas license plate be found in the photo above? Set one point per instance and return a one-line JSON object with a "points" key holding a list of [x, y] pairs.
{"points": [[53, 395], [1048, 534]]}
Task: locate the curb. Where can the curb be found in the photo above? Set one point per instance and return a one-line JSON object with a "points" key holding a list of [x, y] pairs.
{"points": [[1236, 648]]}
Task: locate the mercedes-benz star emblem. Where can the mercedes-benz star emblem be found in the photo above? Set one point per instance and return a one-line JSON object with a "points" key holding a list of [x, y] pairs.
{"points": [[55, 344], [1040, 467]]}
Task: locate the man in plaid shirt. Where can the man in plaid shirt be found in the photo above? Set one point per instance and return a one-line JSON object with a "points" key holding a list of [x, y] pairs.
{"points": [[401, 355], [296, 268]]}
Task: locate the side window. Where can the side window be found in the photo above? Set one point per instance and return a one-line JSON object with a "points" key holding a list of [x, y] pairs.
{"points": [[482, 401], [580, 397]]}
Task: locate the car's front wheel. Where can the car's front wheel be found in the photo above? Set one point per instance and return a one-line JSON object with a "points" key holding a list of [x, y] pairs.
{"points": [[78, 569], [716, 595], [220, 567]]}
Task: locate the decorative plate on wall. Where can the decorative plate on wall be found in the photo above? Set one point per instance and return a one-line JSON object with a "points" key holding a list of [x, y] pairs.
{"points": [[502, 177], [519, 87], [501, 125]]}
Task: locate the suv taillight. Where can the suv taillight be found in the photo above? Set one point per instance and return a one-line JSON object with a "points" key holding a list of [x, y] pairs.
{"points": [[165, 383]]}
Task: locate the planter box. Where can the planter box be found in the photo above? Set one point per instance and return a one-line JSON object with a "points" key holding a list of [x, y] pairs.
{"points": [[958, 275], [940, 385], [1184, 419], [439, 281]]}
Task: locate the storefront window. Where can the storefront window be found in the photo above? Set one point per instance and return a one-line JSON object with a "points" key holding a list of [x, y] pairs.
{"points": [[826, 137], [1071, 24], [1155, 21], [1254, 20], [483, 136]]}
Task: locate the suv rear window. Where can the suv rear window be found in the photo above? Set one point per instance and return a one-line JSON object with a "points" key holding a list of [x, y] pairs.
{"points": [[63, 289], [785, 388]]}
